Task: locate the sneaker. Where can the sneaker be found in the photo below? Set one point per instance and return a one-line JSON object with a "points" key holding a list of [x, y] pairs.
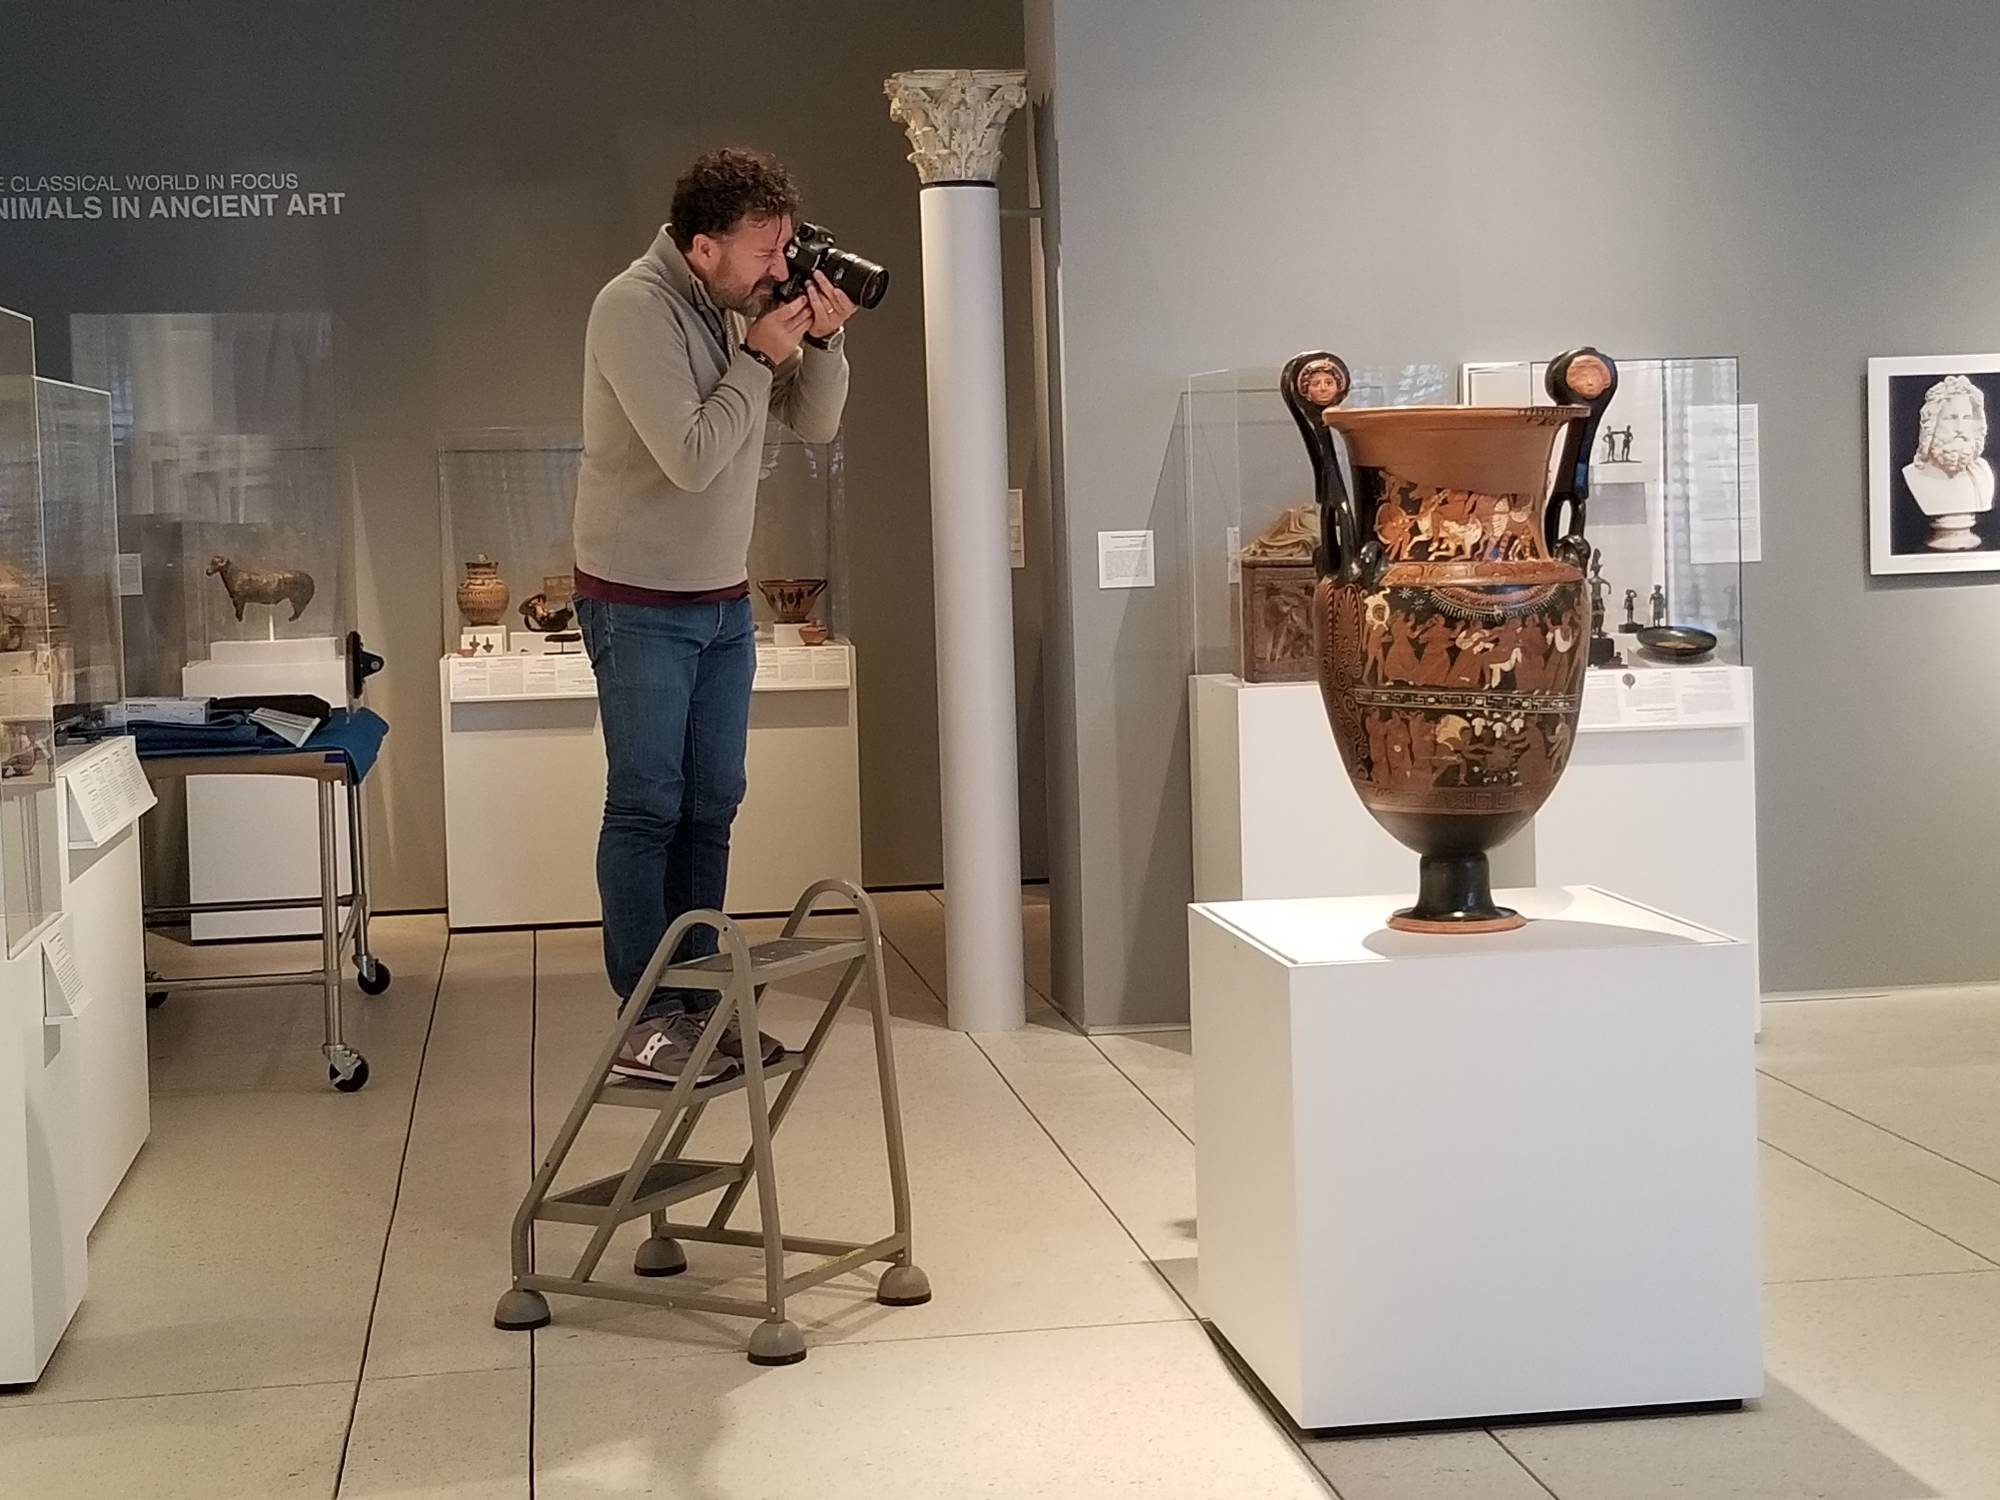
{"points": [[731, 1045], [657, 1051]]}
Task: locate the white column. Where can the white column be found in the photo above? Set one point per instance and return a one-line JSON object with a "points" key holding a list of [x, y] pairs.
{"points": [[955, 120]]}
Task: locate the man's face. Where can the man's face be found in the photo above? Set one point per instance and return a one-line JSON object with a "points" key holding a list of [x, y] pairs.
{"points": [[1958, 437], [742, 268]]}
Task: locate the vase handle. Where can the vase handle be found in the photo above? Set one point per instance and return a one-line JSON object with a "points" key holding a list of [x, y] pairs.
{"points": [[1581, 377], [1311, 383]]}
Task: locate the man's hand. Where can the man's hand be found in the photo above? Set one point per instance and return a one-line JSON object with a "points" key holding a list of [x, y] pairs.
{"points": [[779, 332], [831, 307]]}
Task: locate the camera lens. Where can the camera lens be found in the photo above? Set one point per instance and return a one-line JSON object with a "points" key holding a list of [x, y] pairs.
{"points": [[862, 280]]}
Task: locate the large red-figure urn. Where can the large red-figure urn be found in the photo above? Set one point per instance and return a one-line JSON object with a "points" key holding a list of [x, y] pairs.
{"points": [[1451, 618]]}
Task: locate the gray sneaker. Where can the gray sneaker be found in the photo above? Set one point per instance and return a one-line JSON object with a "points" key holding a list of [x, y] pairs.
{"points": [[657, 1051], [731, 1045]]}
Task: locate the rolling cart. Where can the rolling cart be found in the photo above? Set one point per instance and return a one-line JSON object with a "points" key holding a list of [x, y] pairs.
{"points": [[339, 755]]}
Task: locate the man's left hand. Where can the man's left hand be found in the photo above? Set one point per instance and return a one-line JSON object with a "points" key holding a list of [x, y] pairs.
{"points": [[831, 307]]}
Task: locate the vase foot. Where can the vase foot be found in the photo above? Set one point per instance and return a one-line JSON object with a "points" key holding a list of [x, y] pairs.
{"points": [[1502, 919]]}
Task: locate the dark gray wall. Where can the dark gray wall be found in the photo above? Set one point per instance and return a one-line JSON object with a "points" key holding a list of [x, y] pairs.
{"points": [[1803, 183], [502, 159]]}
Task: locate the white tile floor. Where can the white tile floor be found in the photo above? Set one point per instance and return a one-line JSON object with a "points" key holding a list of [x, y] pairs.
{"points": [[292, 1294]]}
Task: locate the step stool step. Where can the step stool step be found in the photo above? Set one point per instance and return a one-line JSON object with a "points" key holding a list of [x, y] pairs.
{"points": [[770, 962], [665, 1184]]}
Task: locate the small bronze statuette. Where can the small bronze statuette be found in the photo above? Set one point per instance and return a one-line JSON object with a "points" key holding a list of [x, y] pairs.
{"points": [[273, 586]]}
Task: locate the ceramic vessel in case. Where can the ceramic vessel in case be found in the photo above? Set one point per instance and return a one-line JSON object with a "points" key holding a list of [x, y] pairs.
{"points": [[482, 597], [1451, 617], [791, 599]]}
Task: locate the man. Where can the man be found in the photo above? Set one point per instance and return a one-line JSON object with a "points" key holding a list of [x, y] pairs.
{"points": [[686, 355], [1948, 478]]}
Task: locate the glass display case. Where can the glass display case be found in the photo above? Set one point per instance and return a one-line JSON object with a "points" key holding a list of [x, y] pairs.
{"points": [[505, 496], [798, 548], [28, 862], [1666, 513], [235, 497], [80, 528], [1252, 524]]}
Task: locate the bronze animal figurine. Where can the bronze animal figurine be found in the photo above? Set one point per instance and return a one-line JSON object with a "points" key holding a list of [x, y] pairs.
{"points": [[538, 617], [272, 586]]}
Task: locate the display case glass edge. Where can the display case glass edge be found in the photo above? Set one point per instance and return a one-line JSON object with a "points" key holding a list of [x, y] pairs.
{"points": [[1667, 511]]}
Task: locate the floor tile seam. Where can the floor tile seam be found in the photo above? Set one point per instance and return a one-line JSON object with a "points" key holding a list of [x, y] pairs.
{"points": [[1885, 1276], [1929, 1229], [1900, 1213], [1877, 1125], [1539, 1481], [1176, 1124], [343, 1382], [894, 947], [534, 1054], [1063, 1152], [1990, 1270], [389, 1229], [893, 1339]]}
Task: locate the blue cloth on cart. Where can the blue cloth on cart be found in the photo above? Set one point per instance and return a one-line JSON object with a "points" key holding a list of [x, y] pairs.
{"points": [[353, 736]]}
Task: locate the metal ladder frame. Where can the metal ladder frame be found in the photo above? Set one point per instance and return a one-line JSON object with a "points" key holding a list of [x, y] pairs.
{"points": [[660, 1177]]}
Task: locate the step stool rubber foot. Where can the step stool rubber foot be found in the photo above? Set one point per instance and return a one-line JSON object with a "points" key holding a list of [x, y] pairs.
{"points": [[519, 1311], [777, 1342], [659, 1256], [903, 1286]]}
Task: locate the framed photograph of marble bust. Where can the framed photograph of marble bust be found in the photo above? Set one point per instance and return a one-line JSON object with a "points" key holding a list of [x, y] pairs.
{"points": [[1930, 464]]}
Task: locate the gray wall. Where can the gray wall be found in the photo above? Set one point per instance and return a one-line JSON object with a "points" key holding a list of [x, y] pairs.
{"points": [[502, 159], [1802, 183]]}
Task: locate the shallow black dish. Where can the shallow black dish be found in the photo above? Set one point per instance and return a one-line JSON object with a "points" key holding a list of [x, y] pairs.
{"points": [[1681, 643]]}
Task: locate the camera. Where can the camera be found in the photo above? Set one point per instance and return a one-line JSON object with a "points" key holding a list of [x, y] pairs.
{"points": [[812, 249]]}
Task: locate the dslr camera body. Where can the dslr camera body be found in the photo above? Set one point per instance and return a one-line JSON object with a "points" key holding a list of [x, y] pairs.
{"points": [[812, 249]]}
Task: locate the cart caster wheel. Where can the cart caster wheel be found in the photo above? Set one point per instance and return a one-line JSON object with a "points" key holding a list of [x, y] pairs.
{"points": [[903, 1286], [776, 1343], [372, 975], [155, 999], [660, 1256], [353, 1079], [519, 1311]]}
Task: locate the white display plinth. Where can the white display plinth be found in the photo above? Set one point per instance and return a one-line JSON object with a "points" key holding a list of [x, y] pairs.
{"points": [[1659, 800], [1444, 1178], [44, 1217], [103, 900], [524, 794], [254, 838]]}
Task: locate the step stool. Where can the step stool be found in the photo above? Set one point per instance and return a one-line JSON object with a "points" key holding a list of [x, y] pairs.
{"points": [[661, 1177]]}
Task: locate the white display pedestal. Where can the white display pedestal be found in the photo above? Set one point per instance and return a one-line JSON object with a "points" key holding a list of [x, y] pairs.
{"points": [[524, 786], [254, 838], [1659, 799], [1447, 1178], [44, 1219], [106, 909]]}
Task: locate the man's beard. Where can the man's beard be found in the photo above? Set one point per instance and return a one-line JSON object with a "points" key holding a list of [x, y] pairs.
{"points": [[1953, 455], [754, 300]]}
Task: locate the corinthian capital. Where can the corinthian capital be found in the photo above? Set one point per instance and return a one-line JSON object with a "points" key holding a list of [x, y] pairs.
{"points": [[956, 117]]}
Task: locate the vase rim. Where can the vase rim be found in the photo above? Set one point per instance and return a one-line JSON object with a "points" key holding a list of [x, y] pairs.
{"points": [[1473, 417]]}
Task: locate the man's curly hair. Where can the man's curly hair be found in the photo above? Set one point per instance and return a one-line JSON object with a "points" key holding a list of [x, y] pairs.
{"points": [[725, 186]]}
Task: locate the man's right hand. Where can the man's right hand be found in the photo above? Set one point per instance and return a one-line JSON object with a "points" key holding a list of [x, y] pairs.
{"points": [[778, 334]]}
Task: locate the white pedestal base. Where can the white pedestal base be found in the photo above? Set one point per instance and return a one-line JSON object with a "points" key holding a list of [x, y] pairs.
{"points": [[1443, 1178], [44, 1219], [524, 798], [103, 899], [257, 837]]}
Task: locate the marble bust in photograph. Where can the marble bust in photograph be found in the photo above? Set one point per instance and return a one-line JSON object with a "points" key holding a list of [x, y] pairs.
{"points": [[1949, 476]]}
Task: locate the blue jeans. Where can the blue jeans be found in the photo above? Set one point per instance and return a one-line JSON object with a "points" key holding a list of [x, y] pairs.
{"points": [[673, 694]]}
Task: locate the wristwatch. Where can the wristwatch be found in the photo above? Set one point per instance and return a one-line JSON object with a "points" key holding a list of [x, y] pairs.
{"points": [[832, 341], [761, 357]]}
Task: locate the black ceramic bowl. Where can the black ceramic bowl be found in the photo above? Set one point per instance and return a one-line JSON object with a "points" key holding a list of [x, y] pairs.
{"points": [[1677, 642]]}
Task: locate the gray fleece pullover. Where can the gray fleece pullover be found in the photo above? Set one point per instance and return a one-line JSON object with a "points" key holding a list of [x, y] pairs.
{"points": [[673, 428]]}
